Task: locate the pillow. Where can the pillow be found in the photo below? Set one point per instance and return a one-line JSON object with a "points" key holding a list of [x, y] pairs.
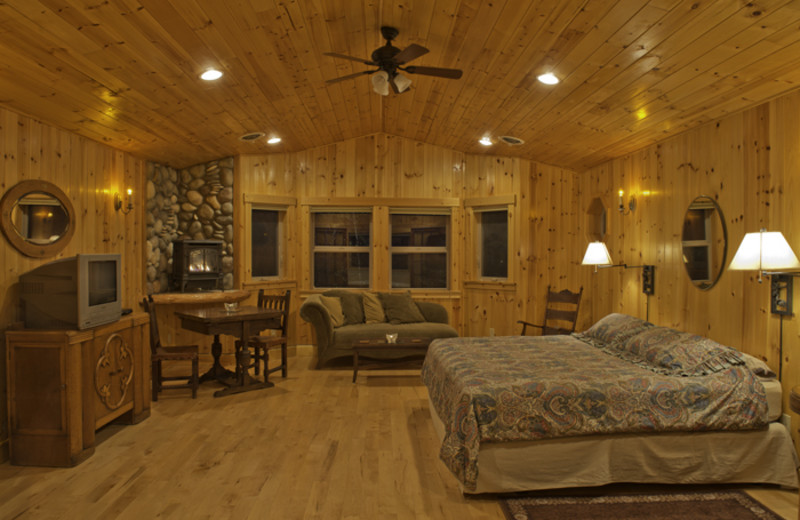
{"points": [[334, 307], [616, 328], [680, 353], [400, 308], [757, 366], [351, 305], [373, 309]]}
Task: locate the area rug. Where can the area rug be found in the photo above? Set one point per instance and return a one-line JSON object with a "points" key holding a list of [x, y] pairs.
{"points": [[721, 505]]}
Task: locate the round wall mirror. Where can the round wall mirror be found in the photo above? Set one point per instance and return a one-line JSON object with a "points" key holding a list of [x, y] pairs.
{"points": [[705, 242], [37, 218]]}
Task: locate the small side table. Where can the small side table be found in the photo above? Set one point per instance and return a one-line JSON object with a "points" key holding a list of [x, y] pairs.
{"points": [[416, 348]]}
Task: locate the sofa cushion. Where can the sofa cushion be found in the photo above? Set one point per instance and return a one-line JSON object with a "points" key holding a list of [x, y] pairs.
{"points": [[373, 309], [400, 308], [352, 308], [334, 307]]}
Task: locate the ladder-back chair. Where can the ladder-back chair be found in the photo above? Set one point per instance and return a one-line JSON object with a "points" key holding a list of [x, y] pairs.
{"points": [[561, 313], [262, 344], [160, 353]]}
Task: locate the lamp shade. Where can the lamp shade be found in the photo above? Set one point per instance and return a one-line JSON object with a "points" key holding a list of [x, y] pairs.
{"points": [[764, 251], [401, 82], [596, 254], [380, 83]]}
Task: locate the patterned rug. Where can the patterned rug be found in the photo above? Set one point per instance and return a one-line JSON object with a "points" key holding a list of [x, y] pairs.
{"points": [[720, 505]]}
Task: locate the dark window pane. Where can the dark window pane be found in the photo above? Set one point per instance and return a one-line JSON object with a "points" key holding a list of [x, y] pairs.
{"points": [[419, 270], [342, 229], [341, 269], [494, 249], [264, 242], [419, 230]]}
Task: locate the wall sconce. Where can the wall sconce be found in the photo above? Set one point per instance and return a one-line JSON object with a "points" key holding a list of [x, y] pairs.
{"points": [[631, 203], [118, 202], [769, 253], [597, 255]]}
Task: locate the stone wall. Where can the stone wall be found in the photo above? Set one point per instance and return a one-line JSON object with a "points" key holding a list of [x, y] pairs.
{"points": [[196, 202]]}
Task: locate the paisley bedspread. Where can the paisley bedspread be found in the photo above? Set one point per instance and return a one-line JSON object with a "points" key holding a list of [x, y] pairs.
{"points": [[515, 388]]}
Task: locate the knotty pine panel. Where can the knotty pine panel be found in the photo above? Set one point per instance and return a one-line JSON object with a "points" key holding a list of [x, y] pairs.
{"points": [[747, 162], [89, 174]]}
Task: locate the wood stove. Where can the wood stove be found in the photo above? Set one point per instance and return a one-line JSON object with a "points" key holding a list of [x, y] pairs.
{"points": [[197, 265]]}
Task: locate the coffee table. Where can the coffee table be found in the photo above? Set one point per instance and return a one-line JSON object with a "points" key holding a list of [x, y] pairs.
{"points": [[416, 348]]}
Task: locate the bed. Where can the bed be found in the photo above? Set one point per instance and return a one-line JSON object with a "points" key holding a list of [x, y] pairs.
{"points": [[624, 401]]}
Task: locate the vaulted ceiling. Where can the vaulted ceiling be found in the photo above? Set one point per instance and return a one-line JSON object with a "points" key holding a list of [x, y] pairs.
{"points": [[125, 72]]}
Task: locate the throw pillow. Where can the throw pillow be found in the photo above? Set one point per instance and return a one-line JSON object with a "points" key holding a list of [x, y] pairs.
{"points": [[373, 310], [400, 308], [352, 308], [334, 307]]}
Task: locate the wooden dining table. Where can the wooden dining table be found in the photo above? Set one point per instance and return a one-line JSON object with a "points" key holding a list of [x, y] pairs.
{"points": [[242, 323]]}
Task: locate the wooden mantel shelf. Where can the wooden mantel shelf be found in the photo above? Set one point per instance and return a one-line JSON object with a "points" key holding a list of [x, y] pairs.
{"points": [[201, 297]]}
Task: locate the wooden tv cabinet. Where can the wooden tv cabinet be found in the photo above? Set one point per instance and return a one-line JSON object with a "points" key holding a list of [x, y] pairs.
{"points": [[65, 384]]}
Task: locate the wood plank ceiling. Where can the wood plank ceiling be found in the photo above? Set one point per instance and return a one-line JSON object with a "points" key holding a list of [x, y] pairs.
{"points": [[125, 72]]}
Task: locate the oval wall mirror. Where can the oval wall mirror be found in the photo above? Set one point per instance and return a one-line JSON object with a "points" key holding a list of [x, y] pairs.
{"points": [[37, 218], [704, 242]]}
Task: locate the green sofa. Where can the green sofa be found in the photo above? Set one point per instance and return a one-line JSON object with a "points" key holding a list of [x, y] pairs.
{"points": [[337, 341]]}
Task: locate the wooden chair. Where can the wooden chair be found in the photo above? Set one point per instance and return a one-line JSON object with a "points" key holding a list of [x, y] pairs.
{"points": [[160, 353], [561, 313], [262, 344]]}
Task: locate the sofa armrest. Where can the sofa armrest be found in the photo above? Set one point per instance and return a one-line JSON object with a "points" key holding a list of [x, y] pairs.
{"points": [[433, 312], [315, 313]]}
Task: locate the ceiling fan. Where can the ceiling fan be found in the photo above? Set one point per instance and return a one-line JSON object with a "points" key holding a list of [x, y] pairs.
{"points": [[390, 61]]}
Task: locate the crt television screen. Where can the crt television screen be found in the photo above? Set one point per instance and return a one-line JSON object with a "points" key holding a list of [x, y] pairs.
{"points": [[102, 282]]}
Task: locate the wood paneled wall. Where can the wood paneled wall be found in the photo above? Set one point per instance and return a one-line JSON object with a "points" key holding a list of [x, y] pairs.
{"points": [[89, 173], [383, 171], [748, 163]]}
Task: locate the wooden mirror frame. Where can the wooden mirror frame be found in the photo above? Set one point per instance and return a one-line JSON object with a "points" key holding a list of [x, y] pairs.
{"points": [[715, 276], [10, 200]]}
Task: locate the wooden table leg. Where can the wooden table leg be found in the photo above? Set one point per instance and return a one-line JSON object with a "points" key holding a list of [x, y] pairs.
{"points": [[355, 365], [244, 383], [217, 372]]}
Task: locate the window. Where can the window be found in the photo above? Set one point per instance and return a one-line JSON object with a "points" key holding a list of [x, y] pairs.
{"points": [[493, 227], [265, 232], [419, 254], [267, 225], [342, 248]]}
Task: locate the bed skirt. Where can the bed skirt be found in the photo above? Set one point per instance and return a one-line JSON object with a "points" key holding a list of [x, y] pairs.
{"points": [[756, 456]]}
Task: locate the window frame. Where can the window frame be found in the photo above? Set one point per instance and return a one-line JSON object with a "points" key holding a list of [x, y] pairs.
{"points": [[481, 205], [368, 249], [447, 249], [267, 203]]}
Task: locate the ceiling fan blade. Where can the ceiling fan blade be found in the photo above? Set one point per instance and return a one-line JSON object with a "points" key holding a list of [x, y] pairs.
{"points": [[411, 52], [435, 71], [351, 58], [349, 76]]}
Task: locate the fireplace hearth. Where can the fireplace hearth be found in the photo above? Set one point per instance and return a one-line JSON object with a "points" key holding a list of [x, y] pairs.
{"points": [[197, 265]]}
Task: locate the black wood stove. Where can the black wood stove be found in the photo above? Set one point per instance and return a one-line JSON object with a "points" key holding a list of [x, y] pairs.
{"points": [[197, 265]]}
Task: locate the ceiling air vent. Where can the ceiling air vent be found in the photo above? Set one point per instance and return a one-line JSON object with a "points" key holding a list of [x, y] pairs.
{"points": [[511, 141], [252, 136]]}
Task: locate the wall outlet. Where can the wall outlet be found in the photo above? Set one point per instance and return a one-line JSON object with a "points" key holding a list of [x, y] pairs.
{"points": [[786, 420], [491, 331]]}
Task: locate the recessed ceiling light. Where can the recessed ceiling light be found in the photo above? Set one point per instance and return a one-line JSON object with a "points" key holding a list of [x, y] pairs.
{"points": [[211, 75], [274, 140], [548, 78], [485, 141]]}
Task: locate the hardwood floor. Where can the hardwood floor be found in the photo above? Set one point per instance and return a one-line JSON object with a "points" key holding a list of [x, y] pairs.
{"points": [[314, 446]]}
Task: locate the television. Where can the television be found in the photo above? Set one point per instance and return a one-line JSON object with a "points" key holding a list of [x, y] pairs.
{"points": [[80, 292]]}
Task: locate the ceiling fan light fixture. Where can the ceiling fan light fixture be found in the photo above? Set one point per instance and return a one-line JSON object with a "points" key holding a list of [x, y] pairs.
{"points": [[211, 75], [548, 78], [380, 83], [401, 82]]}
